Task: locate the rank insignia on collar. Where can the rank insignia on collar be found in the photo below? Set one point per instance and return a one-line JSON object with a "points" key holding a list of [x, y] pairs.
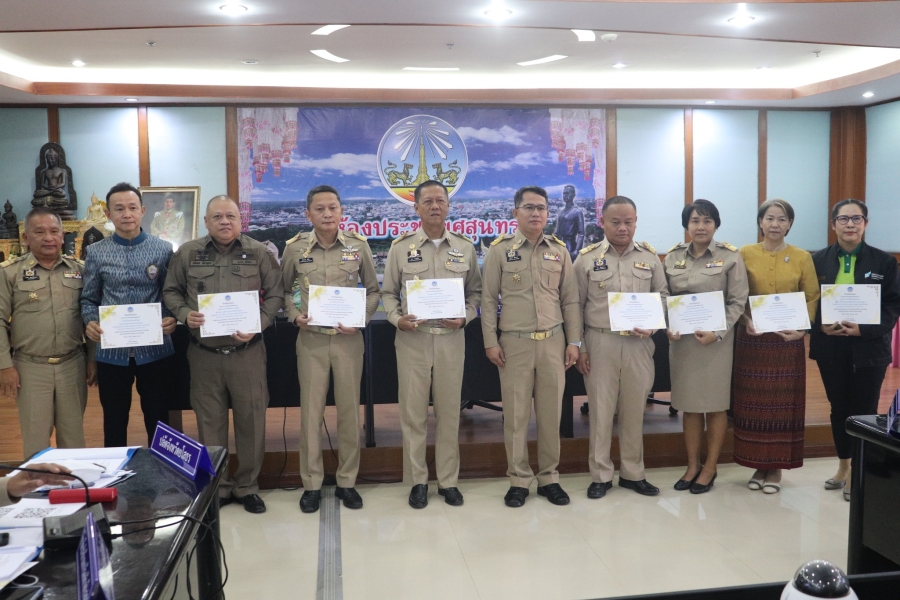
{"points": [[600, 264], [643, 266], [512, 255], [714, 263], [553, 257], [29, 275], [681, 264]]}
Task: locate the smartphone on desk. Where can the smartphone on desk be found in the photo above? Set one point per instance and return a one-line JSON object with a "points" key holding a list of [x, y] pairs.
{"points": [[26, 592]]}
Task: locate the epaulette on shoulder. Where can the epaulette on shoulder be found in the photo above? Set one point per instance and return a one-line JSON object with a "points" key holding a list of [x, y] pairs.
{"points": [[402, 236], [728, 246], [11, 261], [357, 235], [294, 239], [648, 247], [73, 259], [499, 239], [675, 247], [557, 240], [589, 248], [463, 236]]}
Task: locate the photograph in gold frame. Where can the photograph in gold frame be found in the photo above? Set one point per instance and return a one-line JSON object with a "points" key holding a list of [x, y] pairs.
{"points": [[177, 221]]}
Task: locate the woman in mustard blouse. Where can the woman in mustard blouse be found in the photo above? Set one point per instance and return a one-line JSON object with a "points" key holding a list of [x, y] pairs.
{"points": [[769, 380]]}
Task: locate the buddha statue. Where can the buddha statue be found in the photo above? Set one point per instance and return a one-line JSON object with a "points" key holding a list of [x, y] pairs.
{"points": [[9, 228], [54, 182]]}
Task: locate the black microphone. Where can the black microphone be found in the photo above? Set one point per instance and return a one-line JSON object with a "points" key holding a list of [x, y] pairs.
{"points": [[87, 495]]}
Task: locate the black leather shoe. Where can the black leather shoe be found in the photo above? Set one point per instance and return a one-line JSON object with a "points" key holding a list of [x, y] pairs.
{"points": [[554, 493], [598, 490], [452, 496], [418, 496], [642, 487], [225, 500], [350, 497], [683, 484], [699, 488], [252, 503], [309, 501], [515, 497]]}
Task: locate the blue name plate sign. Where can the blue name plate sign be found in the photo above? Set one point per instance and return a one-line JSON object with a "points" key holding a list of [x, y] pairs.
{"points": [[893, 409], [181, 452], [93, 574]]}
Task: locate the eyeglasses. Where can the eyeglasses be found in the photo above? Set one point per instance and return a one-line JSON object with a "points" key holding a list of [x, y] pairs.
{"points": [[530, 208], [844, 219]]}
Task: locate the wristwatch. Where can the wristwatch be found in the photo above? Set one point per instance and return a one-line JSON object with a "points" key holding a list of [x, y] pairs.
{"points": [[576, 344], [718, 337]]}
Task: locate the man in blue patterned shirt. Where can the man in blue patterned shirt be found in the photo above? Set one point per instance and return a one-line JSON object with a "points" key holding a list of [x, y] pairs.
{"points": [[128, 267]]}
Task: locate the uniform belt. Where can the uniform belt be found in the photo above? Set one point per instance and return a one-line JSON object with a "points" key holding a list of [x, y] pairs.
{"points": [[325, 330], [226, 349], [605, 330], [436, 330], [535, 335], [47, 360]]}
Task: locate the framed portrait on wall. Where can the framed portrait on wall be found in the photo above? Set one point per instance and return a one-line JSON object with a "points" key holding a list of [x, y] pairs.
{"points": [[172, 213]]}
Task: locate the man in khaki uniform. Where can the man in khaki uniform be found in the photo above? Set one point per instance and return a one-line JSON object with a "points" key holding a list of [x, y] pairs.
{"points": [[328, 256], [168, 224], [622, 374], [430, 353], [227, 371], [532, 272], [40, 310]]}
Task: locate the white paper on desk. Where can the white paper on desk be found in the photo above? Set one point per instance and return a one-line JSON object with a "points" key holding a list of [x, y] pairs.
{"points": [[779, 312], [436, 298], [24, 536], [11, 562], [131, 325], [30, 512], [697, 312], [331, 306], [55, 454], [857, 303], [226, 313], [635, 310]]}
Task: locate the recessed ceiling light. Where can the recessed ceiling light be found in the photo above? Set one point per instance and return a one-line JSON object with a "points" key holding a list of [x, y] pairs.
{"points": [[498, 12], [328, 29], [619, 66], [233, 9], [585, 35], [151, 44], [710, 102], [541, 61], [250, 62], [609, 37], [868, 94], [130, 99], [78, 63], [741, 19], [329, 56], [431, 68]]}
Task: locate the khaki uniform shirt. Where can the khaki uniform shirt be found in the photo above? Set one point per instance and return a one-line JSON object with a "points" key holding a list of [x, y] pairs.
{"points": [[719, 268], [40, 308], [199, 268], [307, 262], [536, 284], [414, 256], [600, 269]]}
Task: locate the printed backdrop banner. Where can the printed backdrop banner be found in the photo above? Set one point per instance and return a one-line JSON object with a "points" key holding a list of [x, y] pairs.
{"points": [[375, 157]]}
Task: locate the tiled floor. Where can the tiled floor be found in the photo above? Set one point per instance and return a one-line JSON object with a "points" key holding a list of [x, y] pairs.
{"points": [[622, 544]]}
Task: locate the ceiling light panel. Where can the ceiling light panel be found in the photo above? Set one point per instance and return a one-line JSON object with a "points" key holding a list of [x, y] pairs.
{"points": [[233, 9], [540, 61], [329, 56], [431, 68], [328, 29], [585, 35]]}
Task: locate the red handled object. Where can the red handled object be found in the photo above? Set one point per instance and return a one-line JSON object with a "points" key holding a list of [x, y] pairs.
{"points": [[77, 495]]}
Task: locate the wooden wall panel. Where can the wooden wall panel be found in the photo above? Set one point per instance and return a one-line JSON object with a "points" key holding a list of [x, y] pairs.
{"points": [[848, 159], [143, 147], [231, 152], [53, 124]]}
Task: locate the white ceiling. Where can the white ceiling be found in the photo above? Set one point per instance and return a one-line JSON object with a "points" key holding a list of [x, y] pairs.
{"points": [[667, 47]]}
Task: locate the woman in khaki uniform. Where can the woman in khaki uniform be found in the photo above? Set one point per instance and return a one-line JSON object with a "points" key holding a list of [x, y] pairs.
{"points": [[704, 265]]}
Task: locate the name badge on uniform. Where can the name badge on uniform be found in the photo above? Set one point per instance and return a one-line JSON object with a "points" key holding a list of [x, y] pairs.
{"points": [[681, 264], [512, 256], [72, 275], [600, 264], [29, 275], [305, 259], [414, 256], [244, 258], [643, 266], [874, 276], [714, 263], [152, 271], [553, 257]]}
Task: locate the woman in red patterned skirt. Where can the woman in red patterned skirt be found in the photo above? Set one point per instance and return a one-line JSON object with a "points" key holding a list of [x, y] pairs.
{"points": [[769, 380]]}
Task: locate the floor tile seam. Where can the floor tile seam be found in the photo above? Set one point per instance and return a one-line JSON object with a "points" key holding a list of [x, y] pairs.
{"points": [[445, 508]]}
